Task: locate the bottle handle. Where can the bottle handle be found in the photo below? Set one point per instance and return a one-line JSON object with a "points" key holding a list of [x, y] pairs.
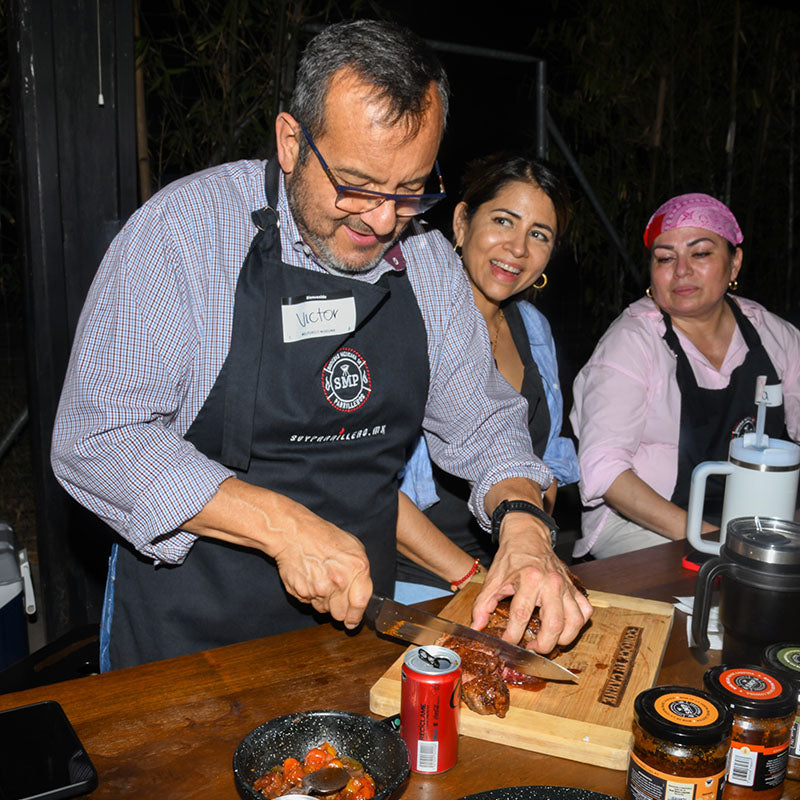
{"points": [[697, 496], [702, 601]]}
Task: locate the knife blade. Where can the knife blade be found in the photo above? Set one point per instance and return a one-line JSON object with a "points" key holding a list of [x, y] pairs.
{"points": [[412, 625]]}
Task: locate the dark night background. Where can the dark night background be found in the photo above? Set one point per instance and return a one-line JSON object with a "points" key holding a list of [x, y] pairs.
{"points": [[646, 94]]}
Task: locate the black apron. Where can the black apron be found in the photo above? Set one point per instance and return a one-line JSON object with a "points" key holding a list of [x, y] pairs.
{"points": [[327, 421], [451, 514], [710, 418]]}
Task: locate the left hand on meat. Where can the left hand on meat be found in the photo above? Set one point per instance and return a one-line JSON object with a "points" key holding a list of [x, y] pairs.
{"points": [[526, 567]]}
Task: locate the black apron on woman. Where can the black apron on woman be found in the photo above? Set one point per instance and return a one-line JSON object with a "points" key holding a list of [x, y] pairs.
{"points": [[325, 419], [710, 418], [451, 514]]}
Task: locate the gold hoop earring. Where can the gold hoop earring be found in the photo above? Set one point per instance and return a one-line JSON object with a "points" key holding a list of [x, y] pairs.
{"points": [[648, 292], [543, 279], [733, 285], [457, 250]]}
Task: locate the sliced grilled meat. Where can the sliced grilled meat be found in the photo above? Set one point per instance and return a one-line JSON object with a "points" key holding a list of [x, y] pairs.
{"points": [[484, 677]]}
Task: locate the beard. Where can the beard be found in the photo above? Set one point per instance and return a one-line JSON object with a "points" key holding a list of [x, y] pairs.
{"points": [[319, 233]]}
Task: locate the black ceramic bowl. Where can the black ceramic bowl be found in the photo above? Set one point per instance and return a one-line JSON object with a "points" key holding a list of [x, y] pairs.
{"points": [[372, 742], [539, 793]]}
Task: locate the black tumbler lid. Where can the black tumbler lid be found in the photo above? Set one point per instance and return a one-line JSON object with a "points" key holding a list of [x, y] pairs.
{"points": [[750, 690], [783, 659], [683, 714]]}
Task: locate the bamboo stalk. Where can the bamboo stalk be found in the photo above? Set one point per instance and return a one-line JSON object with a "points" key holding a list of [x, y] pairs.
{"points": [[142, 152], [730, 142], [788, 299]]}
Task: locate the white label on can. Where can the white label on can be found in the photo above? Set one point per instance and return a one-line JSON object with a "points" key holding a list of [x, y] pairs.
{"points": [[427, 756]]}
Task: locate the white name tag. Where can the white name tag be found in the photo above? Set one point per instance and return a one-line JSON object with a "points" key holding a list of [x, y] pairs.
{"points": [[312, 316]]}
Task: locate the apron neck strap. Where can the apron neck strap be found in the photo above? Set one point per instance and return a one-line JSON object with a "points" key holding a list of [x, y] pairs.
{"points": [[749, 333], [271, 182], [267, 217]]}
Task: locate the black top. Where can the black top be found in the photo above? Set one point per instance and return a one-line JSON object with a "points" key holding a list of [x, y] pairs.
{"points": [[750, 690], [451, 514]]}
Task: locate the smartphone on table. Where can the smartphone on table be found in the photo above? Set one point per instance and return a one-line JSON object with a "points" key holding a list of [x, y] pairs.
{"points": [[41, 756]]}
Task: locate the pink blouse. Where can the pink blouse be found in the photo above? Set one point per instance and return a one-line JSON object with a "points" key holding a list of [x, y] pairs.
{"points": [[626, 410]]}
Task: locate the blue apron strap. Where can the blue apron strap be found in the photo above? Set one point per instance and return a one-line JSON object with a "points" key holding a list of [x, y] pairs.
{"points": [[108, 611]]}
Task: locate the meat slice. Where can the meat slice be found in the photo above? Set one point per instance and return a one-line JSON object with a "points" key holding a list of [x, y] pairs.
{"points": [[486, 694], [484, 678], [482, 687]]}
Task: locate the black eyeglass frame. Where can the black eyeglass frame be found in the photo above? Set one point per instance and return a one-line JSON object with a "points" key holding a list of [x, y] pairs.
{"points": [[422, 202]]}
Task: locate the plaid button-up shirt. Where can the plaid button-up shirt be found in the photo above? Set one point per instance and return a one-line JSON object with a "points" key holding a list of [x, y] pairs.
{"points": [[155, 331]]}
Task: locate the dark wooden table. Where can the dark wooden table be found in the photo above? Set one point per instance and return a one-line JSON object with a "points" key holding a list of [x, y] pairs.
{"points": [[169, 729]]}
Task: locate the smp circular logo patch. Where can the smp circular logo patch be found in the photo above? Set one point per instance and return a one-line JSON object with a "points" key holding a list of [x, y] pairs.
{"points": [[346, 382], [743, 426]]}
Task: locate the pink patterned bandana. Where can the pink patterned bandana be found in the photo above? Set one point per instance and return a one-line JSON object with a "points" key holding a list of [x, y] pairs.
{"points": [[693, 211]]}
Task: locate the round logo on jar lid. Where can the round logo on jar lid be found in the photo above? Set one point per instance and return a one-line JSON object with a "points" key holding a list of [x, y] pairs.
{"points": [[686, 709], [750, 683], [789, 657]]}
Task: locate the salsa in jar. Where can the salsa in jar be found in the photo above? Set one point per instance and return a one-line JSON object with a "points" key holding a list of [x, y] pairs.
{"points": [[784, 660], [763, 712], [681, 738]]}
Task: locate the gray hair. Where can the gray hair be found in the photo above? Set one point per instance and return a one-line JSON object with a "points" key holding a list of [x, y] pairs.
{"points": [[399, 64]]}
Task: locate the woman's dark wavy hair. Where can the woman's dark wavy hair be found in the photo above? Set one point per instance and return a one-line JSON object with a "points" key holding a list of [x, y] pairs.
{"points": [[486, 177], [399, 64]]}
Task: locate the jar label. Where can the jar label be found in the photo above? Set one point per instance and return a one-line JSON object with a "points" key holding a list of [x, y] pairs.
{"points": [[789, 657], [750, 683], [794, 746], [686, 709], [646, 783], [757, 766]]}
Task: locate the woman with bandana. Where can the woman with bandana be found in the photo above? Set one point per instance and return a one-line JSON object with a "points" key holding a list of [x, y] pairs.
{"points": [[673, 379]]}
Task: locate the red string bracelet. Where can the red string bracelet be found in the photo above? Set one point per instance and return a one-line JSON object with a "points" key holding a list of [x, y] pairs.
{"points": [[456, 584]]}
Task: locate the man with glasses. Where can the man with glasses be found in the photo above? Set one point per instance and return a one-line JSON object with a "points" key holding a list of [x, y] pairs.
{"points": [[256, 355]]}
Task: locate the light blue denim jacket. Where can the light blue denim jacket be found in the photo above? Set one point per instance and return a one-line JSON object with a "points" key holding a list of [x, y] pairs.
{"points": [[559, 454]]}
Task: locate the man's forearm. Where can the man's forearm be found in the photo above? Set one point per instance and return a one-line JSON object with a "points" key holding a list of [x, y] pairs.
{"points": [[519, 523], [247, 515], [318, 563], [513, 489]]}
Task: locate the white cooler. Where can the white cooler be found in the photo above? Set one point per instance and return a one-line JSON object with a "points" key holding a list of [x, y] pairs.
{"points": [[16, 597]]}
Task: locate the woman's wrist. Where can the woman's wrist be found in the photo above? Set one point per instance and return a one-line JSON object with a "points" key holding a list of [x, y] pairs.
{"points": [[461, 582]]}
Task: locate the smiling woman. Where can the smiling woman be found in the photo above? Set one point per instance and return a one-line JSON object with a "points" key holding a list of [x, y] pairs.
{"points": [[673, 379], [513, 212]]}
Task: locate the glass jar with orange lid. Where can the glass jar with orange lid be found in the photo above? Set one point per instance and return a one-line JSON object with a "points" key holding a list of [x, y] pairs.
{"points": [[681, 738], [763, 712]]}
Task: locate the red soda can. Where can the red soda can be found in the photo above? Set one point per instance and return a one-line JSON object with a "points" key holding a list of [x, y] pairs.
{"points": [[429, 705]]}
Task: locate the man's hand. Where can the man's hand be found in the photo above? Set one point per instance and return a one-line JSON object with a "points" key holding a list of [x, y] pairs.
{"points": [[526, 567], [323, 565], [318, 563]]}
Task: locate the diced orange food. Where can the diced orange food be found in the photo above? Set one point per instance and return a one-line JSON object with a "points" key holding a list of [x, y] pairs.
{"points": [[282, 780], [319, 757]]}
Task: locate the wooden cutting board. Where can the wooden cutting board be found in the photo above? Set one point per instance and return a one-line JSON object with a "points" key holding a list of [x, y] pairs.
{"points": [[618, 655]]}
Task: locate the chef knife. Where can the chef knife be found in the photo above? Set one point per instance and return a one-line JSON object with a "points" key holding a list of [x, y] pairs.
{"points": [[419, 627]]}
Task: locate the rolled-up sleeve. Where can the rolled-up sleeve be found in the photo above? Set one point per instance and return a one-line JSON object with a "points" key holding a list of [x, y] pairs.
{"points": [[609, 414], [115, 448], [626, 410]]}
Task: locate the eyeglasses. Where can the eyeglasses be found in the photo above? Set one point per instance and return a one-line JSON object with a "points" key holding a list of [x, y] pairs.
{"points": [[357, 201]]}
